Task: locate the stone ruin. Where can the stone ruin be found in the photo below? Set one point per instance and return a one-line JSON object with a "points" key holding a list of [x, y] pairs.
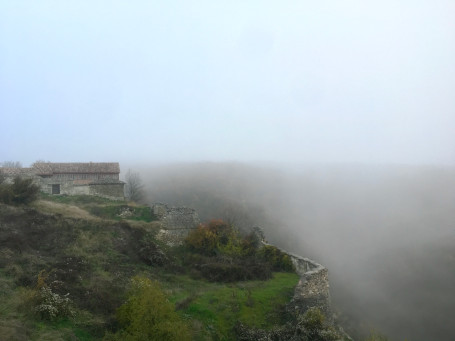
{"points": [[176, 222]]}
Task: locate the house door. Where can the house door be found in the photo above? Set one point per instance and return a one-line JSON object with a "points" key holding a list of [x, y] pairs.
{"points": [[55, 189]]}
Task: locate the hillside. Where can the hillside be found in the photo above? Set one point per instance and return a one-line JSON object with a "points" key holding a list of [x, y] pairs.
{"points": [[82, 252]]}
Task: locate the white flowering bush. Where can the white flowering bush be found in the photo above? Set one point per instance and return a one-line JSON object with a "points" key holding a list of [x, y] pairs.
{"points": [[50, 305]]}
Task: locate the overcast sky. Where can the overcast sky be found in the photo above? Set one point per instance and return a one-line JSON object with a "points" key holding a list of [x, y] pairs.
{"points": [[294, 81]]}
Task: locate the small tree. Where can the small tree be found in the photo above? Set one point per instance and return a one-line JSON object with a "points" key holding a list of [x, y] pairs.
{"points": [[134, 188], [148, 315], [24, 190], [311, 326], [202, 240]]}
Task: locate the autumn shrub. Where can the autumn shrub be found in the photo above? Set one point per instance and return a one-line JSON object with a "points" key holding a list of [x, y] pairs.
{"points": [[222, 230], [202, 240], [148, 315], [216, 237]]}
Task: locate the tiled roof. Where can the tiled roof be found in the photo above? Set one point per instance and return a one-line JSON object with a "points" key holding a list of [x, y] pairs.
{"points": [[49, 168]]}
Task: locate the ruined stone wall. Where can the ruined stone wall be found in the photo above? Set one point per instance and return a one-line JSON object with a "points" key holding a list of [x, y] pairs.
{"points": [[176, 218], [176, 222]]}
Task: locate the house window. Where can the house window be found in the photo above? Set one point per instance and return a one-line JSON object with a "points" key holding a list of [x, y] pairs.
{"points": [[55, 189]]}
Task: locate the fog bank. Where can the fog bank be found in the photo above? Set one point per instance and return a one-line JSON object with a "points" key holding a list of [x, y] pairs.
{"points": [[384, 232]]}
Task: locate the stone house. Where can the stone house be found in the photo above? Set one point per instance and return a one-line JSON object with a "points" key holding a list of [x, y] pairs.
{"points": [[91, 178]]}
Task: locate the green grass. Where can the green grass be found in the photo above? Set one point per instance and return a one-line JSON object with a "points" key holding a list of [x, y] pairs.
{"points": [[138, 213], [9, 297], [76, 199], [60, 330], [220, 306]]}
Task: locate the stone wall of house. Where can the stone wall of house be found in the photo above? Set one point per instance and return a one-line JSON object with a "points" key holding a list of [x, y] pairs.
{"points": [[107, 190], [110, 189], [100, 184]]}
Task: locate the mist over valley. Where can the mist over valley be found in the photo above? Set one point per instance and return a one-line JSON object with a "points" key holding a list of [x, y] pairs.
{"points": [[384, 232]]}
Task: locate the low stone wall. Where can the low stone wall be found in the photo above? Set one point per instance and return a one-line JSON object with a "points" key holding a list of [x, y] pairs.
{"points": [[312, 289]]}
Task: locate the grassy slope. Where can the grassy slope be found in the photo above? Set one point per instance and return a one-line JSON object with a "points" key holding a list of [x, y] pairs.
{"points": [[217, 307], [94, 258]]}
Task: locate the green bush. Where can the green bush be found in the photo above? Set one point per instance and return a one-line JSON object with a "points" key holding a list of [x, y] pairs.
{"points": [[227, 256], [218, 238], [278, 260], [21, 191], [148, 315], [312, 326], [6, 194], [120, 212]]}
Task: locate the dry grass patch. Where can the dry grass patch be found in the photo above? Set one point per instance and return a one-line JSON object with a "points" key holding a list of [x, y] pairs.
{"points": [[51, 207]]}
